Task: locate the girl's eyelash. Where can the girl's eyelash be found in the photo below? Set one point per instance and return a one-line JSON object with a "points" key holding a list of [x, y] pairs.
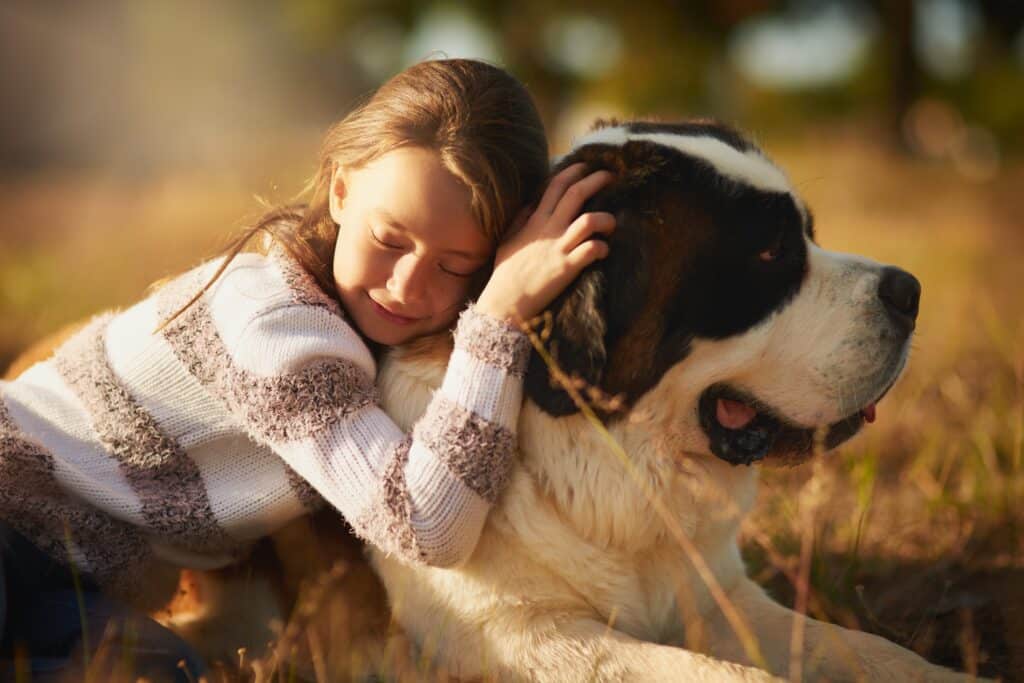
{"points": [[453, 273], [382, 243]]}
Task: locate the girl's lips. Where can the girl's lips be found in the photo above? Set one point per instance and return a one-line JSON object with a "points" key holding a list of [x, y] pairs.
{"points": [[389, 316]]}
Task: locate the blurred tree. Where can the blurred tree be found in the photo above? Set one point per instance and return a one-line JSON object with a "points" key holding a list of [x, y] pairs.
{"points": [[904, 68]]}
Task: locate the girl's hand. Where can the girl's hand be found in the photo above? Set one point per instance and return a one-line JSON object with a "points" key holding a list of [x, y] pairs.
{"points": [[553, 245]]}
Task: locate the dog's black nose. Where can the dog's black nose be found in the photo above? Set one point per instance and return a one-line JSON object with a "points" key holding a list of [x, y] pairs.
{"points": [[901, 293]]}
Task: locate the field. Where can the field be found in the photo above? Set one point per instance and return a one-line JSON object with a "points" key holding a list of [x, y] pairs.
{"points": [[914, 529]]}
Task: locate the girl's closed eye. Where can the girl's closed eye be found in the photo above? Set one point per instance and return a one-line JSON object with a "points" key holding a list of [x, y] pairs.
{"points": [[458, 271], [385, 240]]}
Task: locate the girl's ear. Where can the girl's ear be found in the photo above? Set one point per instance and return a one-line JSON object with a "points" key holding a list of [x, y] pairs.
{"points": [[336, 192]]}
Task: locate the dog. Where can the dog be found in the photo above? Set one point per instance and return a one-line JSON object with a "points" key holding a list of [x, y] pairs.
{"points": [[730, 339]]}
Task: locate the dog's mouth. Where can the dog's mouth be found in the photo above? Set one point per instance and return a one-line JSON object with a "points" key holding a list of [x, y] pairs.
{"points": [[742, 430]]}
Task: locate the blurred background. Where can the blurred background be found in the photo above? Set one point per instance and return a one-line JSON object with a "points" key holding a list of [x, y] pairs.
{"points": [[144, 128], [137, 136]]}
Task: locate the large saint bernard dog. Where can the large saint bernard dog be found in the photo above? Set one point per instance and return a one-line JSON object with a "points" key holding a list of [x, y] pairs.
{"points": [[732, 339]]}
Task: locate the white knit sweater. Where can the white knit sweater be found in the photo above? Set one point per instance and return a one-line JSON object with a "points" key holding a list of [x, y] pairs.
{"points": [[130, 446]]}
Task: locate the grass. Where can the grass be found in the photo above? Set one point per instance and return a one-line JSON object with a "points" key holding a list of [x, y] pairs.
{"points": [[913, 530]]}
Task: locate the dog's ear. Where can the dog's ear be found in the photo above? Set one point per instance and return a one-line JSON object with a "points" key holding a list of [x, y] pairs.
{"points": [[576, 342], [590, 320]]}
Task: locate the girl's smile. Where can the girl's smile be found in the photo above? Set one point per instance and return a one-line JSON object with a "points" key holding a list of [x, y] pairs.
{"points": [[390, 315]]}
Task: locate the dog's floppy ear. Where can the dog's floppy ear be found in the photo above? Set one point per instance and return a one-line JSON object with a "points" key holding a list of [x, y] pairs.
{"points": [[578, 324], [587, 317], [576, 341]]}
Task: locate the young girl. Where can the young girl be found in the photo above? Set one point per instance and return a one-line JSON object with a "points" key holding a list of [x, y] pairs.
{"points": [[241, 394]]}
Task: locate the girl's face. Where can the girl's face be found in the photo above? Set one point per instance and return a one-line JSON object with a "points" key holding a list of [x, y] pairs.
{"points": [[408, 245]]}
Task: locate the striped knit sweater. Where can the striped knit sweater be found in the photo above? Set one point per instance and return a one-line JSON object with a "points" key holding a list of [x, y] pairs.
{"points": [[131, 449]]}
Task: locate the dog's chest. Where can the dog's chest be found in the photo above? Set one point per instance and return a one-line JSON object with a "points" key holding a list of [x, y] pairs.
{"points": [[657, 618], [657, 591]]}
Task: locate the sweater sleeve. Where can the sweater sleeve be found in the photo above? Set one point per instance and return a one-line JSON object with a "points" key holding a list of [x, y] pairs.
{"points": [[298, 379]]}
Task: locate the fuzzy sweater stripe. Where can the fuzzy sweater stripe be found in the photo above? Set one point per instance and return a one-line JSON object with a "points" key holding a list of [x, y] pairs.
{"points": [[130, 446]]}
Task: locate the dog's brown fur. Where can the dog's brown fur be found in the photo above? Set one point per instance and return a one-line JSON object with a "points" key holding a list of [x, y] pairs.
{"points": [[41, 350]]}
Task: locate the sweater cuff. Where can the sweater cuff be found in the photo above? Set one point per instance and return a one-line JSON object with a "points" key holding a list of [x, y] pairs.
{"points": [[495, 342]]}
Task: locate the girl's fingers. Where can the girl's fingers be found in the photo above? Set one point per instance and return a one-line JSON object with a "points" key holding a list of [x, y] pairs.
{"points": [[585, 254], [558, 186], [572, 201], [585, 226]]}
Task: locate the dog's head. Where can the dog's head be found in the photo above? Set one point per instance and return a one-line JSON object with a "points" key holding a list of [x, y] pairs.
{"points": [[714, 284]]}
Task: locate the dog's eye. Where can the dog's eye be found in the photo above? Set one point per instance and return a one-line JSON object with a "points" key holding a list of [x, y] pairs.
{"points": [[773, 251], [770, 254]]}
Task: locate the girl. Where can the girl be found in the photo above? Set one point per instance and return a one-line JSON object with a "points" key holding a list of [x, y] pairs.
{"points": [[254, 399]]}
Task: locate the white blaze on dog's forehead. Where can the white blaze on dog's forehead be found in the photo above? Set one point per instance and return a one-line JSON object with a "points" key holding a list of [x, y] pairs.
{"points": [[749, 167], [819, 257]]}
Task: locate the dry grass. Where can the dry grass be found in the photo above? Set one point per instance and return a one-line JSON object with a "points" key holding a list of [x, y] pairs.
{"points": [[913, 530]]}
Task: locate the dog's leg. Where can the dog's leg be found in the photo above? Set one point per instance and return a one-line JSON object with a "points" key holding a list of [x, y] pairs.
{"points": [[827, 651], [565, 649], [608, 655]]}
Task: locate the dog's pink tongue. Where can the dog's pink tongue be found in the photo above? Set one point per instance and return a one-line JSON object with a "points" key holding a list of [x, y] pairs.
{"points": [[733, 414], [869, 413]]}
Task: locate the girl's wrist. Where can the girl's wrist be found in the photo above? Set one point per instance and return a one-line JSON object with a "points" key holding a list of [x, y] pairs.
{"points": [[494, 340], [496, 309]]}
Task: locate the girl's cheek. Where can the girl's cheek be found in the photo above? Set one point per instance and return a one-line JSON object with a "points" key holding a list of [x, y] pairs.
{"points": [[381, 263], [454, 292]]}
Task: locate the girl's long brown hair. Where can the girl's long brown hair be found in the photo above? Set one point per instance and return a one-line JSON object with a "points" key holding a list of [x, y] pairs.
{"points": [[480, 120]]}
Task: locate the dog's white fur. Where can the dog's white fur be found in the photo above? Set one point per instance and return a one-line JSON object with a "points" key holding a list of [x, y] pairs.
{"points": [[576, 577], [750, 167]]}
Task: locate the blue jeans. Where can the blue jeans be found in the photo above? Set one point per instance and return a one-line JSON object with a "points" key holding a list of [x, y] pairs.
{"points": [[41, 626]]}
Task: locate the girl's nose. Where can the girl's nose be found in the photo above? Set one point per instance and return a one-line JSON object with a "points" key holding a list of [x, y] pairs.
{"points": [[408, 281]]}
